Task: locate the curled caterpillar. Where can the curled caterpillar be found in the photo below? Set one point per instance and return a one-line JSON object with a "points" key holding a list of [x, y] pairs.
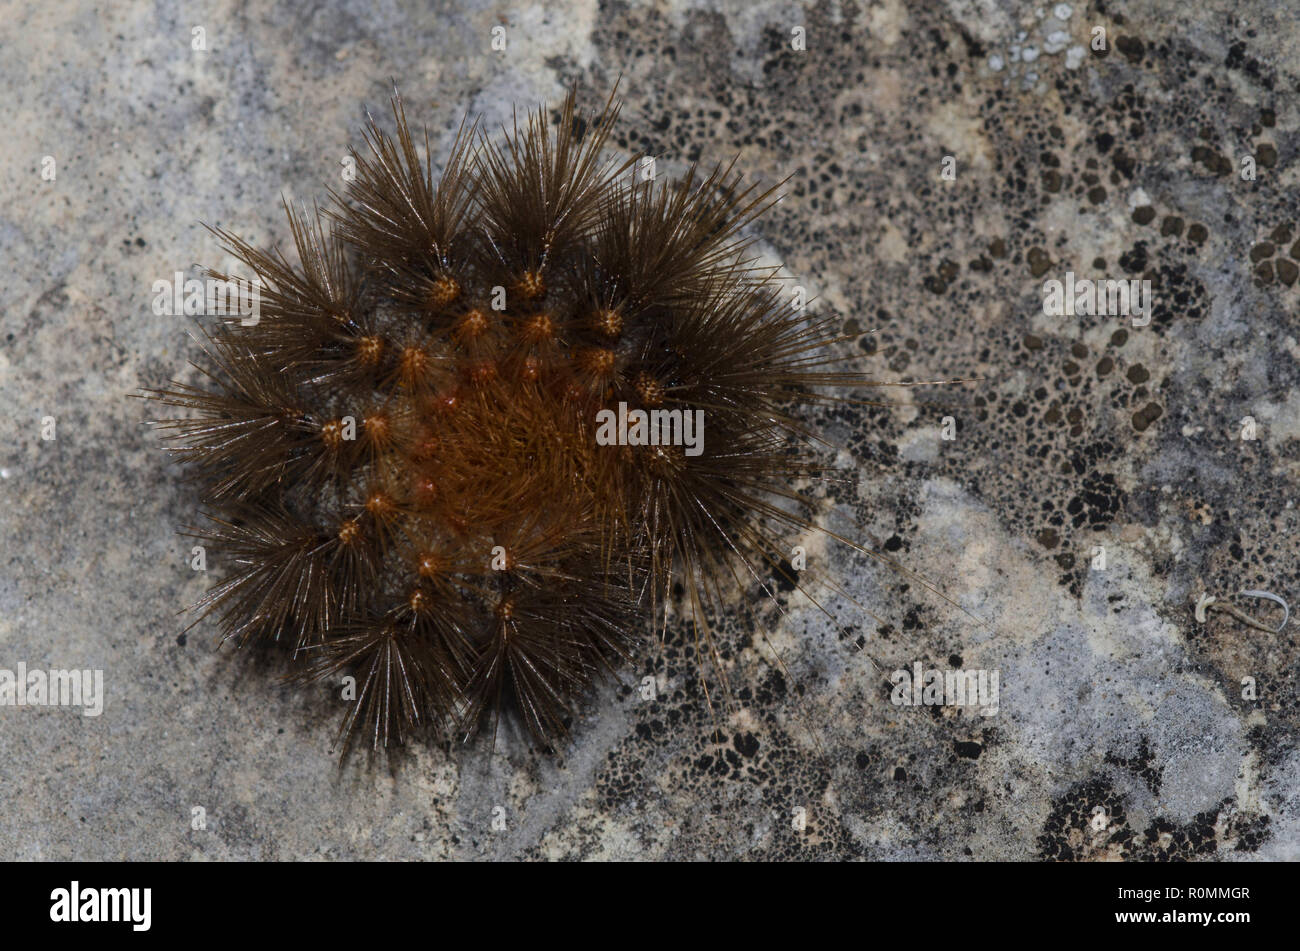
{"points": [[485, 425]]}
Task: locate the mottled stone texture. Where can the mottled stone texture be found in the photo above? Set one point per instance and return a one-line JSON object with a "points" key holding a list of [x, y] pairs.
{"points": [[1121, 730]]}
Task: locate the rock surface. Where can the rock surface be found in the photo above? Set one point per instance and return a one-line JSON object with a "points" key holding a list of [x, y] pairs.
{"points": [[1169, 451]]}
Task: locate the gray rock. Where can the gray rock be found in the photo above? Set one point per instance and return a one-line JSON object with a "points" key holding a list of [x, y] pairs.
{"points": [[1123, 728]]}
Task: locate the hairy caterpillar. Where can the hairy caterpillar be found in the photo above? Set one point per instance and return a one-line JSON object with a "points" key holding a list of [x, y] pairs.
{"points": [[486, 423]]}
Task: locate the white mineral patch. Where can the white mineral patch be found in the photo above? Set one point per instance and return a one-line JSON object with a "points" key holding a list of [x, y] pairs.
{"points": [[1056, 41]]}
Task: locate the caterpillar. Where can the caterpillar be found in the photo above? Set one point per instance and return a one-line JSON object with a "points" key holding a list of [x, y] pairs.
{"points": [[488, 424]]}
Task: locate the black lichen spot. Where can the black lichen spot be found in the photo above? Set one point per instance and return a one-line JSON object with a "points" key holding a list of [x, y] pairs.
{"points": [[1131, 47], [1146, 416], [968, 750]]}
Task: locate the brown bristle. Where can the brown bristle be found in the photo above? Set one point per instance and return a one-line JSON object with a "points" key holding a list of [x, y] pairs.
{"points": [[430, 565], [649, 390], [666, 460], [331, 433], [445, 403], [607, 322], [597, 361], [443, 291], [378, 429], [380, 505], [426, 443], [414, 365], [538, 328], [370, 350], [471, 325], [573, 392], [531, 285], [425, 490], [481, 372]]}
